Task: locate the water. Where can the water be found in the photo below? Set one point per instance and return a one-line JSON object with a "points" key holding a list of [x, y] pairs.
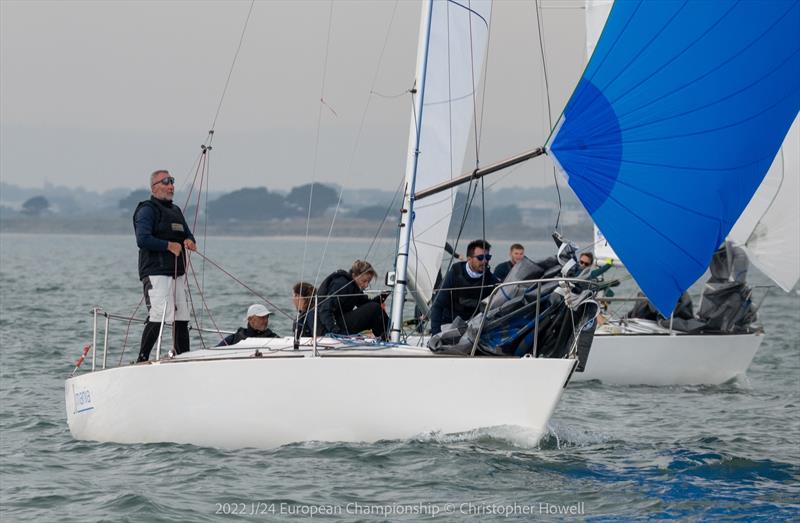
{"points": [[729, 452]]}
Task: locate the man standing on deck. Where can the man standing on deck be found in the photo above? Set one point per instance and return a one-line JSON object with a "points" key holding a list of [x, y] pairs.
{"points": [[162, 234]]}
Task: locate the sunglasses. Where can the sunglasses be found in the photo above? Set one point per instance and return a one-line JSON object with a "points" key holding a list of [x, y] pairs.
{"points": [[169, 180], [585, 264], [482, 257]]}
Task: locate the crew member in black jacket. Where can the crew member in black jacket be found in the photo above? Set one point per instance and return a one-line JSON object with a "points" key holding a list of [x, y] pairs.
{"points": [[257, 323], [302, 299], [344, 308], [515, 255], [162, 235], [465, 285]]}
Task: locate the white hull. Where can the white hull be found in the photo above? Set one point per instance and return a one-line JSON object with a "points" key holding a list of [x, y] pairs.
{"points": [[363, 394], [643, 353], [662, 359]]}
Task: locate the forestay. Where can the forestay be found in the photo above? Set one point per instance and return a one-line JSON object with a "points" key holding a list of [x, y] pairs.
{"points": [[673, 126], [458, 40]]}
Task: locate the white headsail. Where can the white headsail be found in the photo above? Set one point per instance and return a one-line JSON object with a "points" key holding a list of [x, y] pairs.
{"points": [[770, 226], [459, 35]]}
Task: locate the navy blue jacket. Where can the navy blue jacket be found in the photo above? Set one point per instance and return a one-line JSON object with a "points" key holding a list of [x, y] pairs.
{"points": [[459, 295], [157, 222], [246, 332], [502, 270], [304, 324], [338, 295]]}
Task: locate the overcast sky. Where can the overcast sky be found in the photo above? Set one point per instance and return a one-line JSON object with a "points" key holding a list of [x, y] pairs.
{"points": [[98, 94]]}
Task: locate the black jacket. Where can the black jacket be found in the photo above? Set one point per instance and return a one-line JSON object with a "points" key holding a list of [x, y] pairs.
{"points": [[304, 324], [157, 222], [338, 295], [246, 332], [459, 295], [502, 270]]}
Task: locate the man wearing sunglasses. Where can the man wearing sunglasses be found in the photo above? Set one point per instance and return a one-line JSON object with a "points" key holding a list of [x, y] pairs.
{"points": [[465, 285], [162, 234]]}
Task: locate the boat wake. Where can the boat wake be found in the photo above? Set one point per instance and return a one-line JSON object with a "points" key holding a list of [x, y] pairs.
{"points": [[557, 436]]}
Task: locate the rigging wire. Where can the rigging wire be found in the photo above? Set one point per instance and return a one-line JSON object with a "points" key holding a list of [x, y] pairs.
{"points": [[191, 301], [477, 126], [204, 303], [205, 236], [316, 147], [549, 108], [233, 64], [385, 217], [485, 75], [472, 77], [128, 330], [202, 171], [351, 160], [240, 282]]}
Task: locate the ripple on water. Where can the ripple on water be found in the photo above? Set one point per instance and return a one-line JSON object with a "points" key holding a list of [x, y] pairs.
{"points": [[686, 453]]}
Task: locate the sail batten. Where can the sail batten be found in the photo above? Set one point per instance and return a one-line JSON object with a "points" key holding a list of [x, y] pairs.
{"points": [[674, 124]]}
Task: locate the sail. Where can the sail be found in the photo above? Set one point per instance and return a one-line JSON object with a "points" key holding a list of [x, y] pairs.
{"points": [[596, 15], [459, 33], [770, 226], [602, 249], [673, 125]]}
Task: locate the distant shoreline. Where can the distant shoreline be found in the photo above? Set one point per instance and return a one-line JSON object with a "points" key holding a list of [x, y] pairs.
{"points": [[344, 228]]}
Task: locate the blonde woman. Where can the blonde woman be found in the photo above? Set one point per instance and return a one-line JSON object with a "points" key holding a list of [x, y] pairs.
{"points": [[344, 308]]}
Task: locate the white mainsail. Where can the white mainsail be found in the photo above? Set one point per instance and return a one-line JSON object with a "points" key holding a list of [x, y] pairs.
{"points": [[455, 56], [769, 228]]}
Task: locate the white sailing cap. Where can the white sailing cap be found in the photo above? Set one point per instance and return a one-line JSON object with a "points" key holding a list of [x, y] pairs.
{"points": [[258, 310]]}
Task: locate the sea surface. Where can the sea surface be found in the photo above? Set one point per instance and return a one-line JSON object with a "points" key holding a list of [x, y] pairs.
{"points": [[713, 453]]}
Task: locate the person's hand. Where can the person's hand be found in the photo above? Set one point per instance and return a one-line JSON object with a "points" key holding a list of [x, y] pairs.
{"points": [[610, 261], [174, 248], [189, 244]]}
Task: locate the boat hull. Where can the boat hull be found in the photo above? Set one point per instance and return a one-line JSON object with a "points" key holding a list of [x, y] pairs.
{"points": [[662, 359], [271, 401]]}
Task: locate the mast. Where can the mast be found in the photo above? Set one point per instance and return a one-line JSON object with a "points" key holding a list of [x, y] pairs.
{"points": [[407, 212]]}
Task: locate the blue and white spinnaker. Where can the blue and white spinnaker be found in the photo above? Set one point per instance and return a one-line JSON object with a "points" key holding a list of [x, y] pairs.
{"points": [[674, 124]]}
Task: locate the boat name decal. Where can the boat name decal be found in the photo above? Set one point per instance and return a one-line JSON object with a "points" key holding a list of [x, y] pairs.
{"points": [[83, 400]]}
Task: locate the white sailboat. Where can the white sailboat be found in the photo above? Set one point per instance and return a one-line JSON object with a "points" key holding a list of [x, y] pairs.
{"points": [[615, 142], [642, 352], [265, 393]]}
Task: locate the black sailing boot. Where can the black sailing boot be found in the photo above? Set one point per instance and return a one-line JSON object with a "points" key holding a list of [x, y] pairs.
{"points": [[149, 338]]}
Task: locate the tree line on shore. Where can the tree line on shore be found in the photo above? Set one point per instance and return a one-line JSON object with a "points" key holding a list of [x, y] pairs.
{"points": [[242, 210]]}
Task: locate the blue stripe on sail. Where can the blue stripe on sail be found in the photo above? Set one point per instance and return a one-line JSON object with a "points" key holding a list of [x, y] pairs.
{"points": [[674, 124]]}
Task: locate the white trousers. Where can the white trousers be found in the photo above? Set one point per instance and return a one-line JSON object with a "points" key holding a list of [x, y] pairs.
{"points": [[164, 291]]}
